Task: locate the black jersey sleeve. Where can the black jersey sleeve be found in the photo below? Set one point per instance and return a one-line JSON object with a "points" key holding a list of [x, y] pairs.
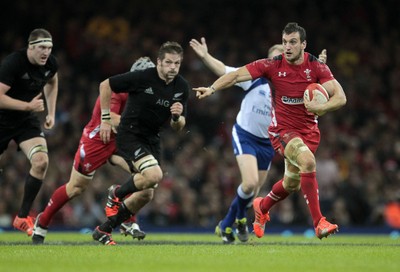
{"points": [[123, 83]]}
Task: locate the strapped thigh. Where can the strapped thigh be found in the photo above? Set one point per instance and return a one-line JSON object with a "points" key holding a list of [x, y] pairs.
{"points": [[148, 162], [36, 149]]}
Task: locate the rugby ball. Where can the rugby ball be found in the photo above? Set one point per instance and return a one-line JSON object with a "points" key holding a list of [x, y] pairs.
{"points": [[316, 91]]}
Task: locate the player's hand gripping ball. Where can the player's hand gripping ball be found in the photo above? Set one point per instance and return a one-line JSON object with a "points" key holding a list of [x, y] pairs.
{"points": [[316, 91]]}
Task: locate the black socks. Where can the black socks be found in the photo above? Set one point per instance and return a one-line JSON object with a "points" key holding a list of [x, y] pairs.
{"points": [[32, 187]]}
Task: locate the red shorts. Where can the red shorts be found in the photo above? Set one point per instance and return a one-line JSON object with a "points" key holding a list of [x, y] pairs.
{"points": [[92, 154], [311, 139]]}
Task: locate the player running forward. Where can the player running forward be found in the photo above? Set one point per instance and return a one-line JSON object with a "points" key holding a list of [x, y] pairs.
{"points": [[156, 95], [250, 141], [25, 76], [91, 154], [294, 131]]}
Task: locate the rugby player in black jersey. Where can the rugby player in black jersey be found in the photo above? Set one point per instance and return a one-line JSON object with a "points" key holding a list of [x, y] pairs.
{"points": [[25, 76], [156, 95]]}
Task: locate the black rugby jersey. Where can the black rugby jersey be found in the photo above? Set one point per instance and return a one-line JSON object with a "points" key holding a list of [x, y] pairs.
{"points": [[26, 81], [149, 101]]}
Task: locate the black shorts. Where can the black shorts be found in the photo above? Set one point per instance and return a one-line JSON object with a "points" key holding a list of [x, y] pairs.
{"points": [[27, 129], [133, 148]]}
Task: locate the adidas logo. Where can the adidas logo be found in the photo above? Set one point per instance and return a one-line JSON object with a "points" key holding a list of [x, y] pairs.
{"points": [[149, 91]]}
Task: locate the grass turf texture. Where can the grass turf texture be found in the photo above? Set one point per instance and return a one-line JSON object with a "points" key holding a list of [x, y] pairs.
{"points": [[199, 252]]}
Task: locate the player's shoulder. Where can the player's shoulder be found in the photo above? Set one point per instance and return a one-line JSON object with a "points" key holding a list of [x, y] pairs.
{"points": [[278, 58], [149, 74], [313, 59], [16, 58], [260, 64], [52, 62], [149, 71], [271, 62], [14, 64]]}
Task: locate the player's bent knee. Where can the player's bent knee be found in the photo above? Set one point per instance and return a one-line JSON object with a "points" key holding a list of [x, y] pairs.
{"points": [[249, 187], [152, 181], [77, 184], [77, 190], [307, 163], [153, 177], [291, 182], [39, 164], [294, 148], [292, 186]]}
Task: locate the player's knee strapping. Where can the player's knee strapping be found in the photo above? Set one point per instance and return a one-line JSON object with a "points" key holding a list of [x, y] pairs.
{"points": [[36, 149], [294, 185], [293, 150], [147, 164]]}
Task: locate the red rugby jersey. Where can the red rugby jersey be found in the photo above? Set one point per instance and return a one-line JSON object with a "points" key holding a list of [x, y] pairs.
{"points": [[289, 83], [118, 101]]}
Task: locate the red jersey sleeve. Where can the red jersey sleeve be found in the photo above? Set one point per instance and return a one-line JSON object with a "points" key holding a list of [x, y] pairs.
{"points": [[118, 100], [259, 68], [324, 74]]}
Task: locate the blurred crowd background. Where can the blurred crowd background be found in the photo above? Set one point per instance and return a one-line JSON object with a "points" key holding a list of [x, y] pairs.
{"points": [[358, 161]]}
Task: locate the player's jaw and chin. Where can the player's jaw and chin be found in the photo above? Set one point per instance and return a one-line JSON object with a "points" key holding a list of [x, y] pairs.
{"points": [[291, 57]]}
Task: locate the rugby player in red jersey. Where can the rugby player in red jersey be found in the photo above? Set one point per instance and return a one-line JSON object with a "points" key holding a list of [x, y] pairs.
{"points": [[294, 128]]}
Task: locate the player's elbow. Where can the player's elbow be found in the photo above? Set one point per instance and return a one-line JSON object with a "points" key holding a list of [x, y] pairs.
{"points": [[104, 86], [342, 100], [233, 78]]}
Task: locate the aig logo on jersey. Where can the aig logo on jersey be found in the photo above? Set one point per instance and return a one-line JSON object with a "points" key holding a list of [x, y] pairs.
{"points": [[163, 102]]}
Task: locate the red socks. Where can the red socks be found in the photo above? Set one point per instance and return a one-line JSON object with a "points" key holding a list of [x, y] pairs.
{"points": [[309, 187], [56, 202], [277, 194]]}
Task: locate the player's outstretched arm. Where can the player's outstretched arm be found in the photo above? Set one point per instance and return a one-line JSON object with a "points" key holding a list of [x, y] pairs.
{"points": [[223, 82], [201, 49]]}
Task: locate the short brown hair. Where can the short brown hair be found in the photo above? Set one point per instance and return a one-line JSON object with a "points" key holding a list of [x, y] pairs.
{"points": [[294, 27], [39, 33], [170, 48]]}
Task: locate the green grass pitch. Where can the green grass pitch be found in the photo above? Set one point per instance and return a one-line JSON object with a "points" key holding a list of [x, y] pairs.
{"points": [[72, 251]]}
